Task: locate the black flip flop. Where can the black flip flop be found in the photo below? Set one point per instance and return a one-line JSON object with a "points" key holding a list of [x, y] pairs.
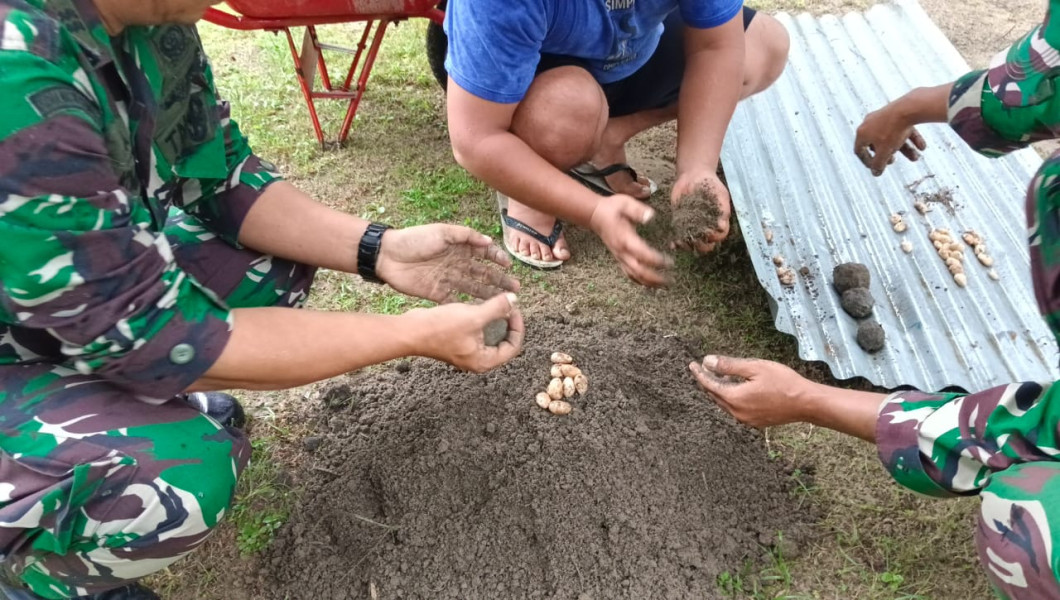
{"points": [[595, 179], [513, 223]]}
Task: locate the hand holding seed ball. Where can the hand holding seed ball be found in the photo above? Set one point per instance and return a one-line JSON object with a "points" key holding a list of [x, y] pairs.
{"points": [[456, 333]]}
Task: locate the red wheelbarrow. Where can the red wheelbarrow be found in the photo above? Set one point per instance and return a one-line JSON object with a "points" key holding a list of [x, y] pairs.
{"points": [[309, 62]]}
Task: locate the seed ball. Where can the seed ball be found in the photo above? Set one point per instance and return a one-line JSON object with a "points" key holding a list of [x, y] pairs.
{"points": [[985, 259], [559, 407], [543, 400], [992, 273], [857, 302], [907, 246], [555, 372], [960, 279], [900, 227], [896, 218], [769, 236], [555, 389], [937, 244], [495, 332], [871, 336], [957, 268], [945, 254], [561, 358], [921, 207], [778, 260], [851, 275]]}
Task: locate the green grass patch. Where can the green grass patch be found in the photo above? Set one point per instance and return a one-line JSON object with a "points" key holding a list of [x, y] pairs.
{"points": [[263, 500]]}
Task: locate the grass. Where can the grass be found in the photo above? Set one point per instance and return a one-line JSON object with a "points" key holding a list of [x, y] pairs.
{"points": [[873, 540]]}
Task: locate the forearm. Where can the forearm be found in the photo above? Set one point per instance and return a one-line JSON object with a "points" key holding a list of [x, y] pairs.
{"points": [[287, 223], [276, 348], [846, 411], [506, 163], [710, 91], [924, 105]]}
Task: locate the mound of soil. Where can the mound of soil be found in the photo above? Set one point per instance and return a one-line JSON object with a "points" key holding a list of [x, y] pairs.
{"points": [[430, 483], [696, 215]]}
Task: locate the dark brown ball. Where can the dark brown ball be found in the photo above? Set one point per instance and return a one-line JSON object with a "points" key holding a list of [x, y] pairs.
{"points": [[848, 276]]}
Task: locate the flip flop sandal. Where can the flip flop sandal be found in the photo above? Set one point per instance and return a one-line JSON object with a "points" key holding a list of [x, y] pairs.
{"points": [[511, 223], [595, 179]]}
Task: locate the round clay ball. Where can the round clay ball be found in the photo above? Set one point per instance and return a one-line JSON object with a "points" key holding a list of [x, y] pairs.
{"points": [[870, 336], [495, 332], [857, 302], [848, 276]]}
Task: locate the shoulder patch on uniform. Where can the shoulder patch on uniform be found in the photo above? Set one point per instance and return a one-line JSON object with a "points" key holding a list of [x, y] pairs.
{"points": [[62, 98]]}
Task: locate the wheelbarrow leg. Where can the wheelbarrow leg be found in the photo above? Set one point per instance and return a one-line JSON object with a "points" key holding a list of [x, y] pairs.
{"points": [[362, 81], [306, 83]]}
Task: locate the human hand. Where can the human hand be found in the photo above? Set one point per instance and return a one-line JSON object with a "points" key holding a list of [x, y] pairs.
{"points": [[884, 132], [759, 393], [615, 220], [453, 333], [437, 262], [696, 198]]}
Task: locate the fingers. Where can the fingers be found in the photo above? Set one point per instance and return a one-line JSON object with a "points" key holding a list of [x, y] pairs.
{"points": [[710, 384], [635, 211], [726, 366], [918, 140], [482, 281], [512, 344]]}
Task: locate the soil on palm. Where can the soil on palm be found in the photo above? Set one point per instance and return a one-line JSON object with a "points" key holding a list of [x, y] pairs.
{"points": [[696, 215], [438, 484]]}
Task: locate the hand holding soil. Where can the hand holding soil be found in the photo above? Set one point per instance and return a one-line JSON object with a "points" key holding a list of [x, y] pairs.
{"points": [[615, 220], [701, 213], [438, 262], [456, 333], [759, 393]]}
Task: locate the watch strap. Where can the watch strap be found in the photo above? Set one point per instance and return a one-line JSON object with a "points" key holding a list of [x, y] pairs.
{"points": [[368, 251]]}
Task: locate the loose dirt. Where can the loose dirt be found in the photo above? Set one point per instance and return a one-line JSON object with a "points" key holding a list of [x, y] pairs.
{"points": [[696, 215], [430, 483]]}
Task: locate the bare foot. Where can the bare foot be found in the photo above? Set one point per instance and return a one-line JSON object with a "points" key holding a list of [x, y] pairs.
{"points": [[621, 182], [523, 244]]}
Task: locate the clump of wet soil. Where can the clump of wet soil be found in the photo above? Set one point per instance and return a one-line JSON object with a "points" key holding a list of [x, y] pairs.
{"points": [[696, 215], [437, 484]]}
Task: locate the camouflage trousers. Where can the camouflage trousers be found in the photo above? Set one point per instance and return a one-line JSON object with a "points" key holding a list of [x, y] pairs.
{"points": [[1002, 445], [97, 488]]}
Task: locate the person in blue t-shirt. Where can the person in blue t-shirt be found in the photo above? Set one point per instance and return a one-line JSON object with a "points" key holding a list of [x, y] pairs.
{"points": [[540, 88]]}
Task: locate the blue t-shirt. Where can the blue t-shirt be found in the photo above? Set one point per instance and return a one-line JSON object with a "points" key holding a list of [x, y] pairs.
{"points": [[495, 45]]}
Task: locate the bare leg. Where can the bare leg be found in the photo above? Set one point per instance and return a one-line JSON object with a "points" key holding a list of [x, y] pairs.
{"points": [[767, 52], [562, 118], [613, 147]]}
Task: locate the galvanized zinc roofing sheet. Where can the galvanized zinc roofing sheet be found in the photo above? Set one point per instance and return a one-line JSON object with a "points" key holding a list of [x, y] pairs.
{"points": [[790, 168]]}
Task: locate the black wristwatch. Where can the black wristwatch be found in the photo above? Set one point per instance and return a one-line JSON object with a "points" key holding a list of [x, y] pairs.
{"points": [[368, 251]]}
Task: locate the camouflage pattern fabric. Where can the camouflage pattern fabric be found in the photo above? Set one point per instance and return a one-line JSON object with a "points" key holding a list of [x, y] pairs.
{"points": [[123, 185], [1000, 444]]}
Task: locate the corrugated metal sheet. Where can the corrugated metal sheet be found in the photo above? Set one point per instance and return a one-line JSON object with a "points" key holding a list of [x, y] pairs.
{"points": [[790, 167]]}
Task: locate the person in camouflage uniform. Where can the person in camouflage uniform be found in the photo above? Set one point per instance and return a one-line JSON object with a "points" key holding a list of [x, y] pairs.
{"points": [[147, 253], [1000, 444]]}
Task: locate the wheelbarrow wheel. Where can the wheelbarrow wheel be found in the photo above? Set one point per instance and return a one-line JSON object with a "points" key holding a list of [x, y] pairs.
{"points": [[437, 46]]}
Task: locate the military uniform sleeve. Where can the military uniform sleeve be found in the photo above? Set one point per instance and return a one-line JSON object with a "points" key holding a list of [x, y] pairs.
{"points": [[1015, 102], [78, 257], [951, 444], [221, 203]]}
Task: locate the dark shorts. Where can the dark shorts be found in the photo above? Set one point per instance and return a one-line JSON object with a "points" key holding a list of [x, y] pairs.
{"points": [[656, 84]]}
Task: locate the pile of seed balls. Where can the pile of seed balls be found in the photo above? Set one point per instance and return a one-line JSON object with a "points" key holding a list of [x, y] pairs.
{"points": [[567, 380], [851, 282]]}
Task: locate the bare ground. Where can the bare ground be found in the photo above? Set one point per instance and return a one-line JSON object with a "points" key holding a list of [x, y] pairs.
{"points": [[874, 540]]}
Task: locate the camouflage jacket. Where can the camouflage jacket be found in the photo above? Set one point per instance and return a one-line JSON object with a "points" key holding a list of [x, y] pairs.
{"points": [[100, 138], [944, 444]]}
